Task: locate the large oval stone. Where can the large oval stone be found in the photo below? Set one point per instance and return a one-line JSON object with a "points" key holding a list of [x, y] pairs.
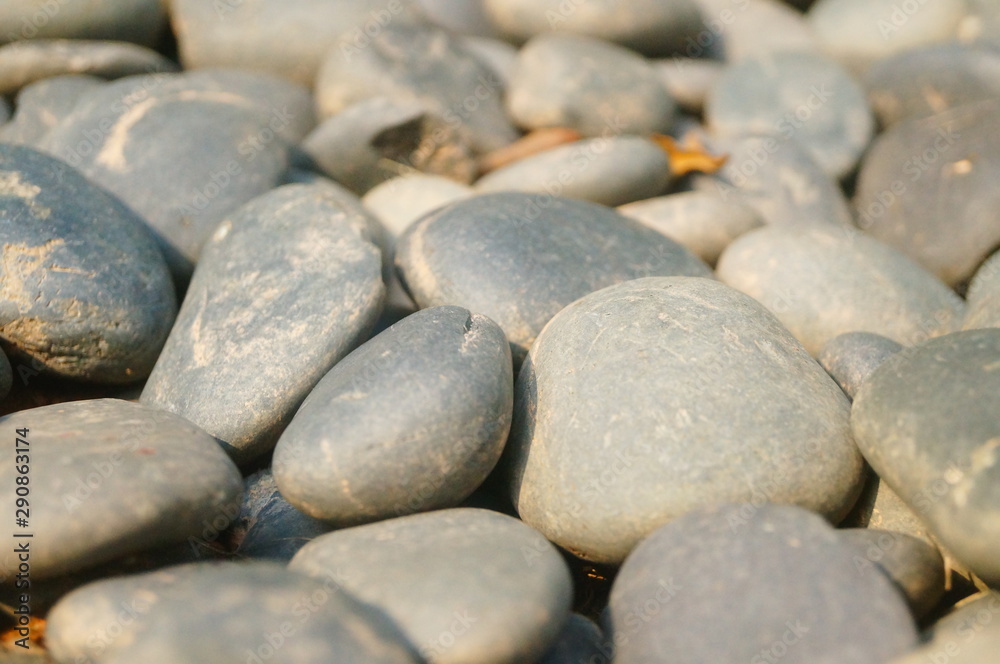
{"points": [[649, 399]]}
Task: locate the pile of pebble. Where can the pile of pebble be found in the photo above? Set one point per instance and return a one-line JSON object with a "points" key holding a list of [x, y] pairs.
{"points": [[500, 331]]}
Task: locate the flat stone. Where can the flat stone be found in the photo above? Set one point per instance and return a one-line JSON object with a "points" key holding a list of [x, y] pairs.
{"points": [[269, 527], [735, 30], [580, 642], [587, 84], [185, 150], [700, 221], [25, 62], [983, 297], [777, 177], [822, 282], [111, 477], [286, 287], [795, 96], [610, 170], [852, 357], [926, 187], [651, 27], [43, 105], [6, 375], [229, 613], [375, 140], [85, 291], [435, 444], [689, 80], [914, 565], [650, 399], [926, 422], [417, 64], [287, 38], [969, 634], [520, 258], [139, 21], [673, 598], [859, 33], [466, 586]]}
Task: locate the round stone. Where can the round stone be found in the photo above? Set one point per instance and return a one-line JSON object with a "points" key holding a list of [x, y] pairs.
{"points": [[646, 400], [399, 202], [84, 290], [822, 282], [852, 357], [583, 83], [674, 597], [140, 21], [111, 477], [43, 105], [796, 96], [366, 446], [520, 258], [926, 422], [466, 586], [983, 297]]}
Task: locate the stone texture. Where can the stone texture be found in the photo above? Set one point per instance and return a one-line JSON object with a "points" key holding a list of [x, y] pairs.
{"points": [[140, 21], [366, 445], [286, 287], [983, 297], [822, 282], [852, 357], [678, 596], [587, 84], [649, 399], [26, 62], [111, 477], [610, 170], [520, 258], [85, 292], [926, 422], [467, 586], [927, 188], [42, 105], [228, 613]]}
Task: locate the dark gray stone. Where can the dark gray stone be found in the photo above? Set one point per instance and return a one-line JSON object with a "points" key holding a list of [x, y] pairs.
{"points": [[520, 258], [653, 27], [185, 150], [111, 477], [84, 290], [286, 287], [689, 80], [795, 96], [700, 221], [984, 296], [738, 29], [926, 422], [587, 84], [140, 21], [378, 139], [777, 584], [467, 586], [927, 187], [42, 105], [850, 358], [230, 613], [581, 642], [969, 634], [417, 64], [610, 170], [26, 62], [655, 397], [822, 281], [435, 444], [4, 112], [6, 375]]}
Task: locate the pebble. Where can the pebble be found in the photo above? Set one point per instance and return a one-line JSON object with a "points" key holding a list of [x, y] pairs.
{"points": [[434, 444], [43, 105], [85, 292], [269, 527], [795, 96], [926, 422], [581, 642], [738, 29], [112, 477], [651, 27], [287, 38], [851, 358], [285, 287], [139, 21], [927, 188], [646, 400], [25, 62], [822, 282], [698, 220], [676, 597], [689, 80], [587, 84], [466, 586], [230, 613], [425, 65], [375, 140], [520, 258], [983, 297], [859, 33], [969, 634]]}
